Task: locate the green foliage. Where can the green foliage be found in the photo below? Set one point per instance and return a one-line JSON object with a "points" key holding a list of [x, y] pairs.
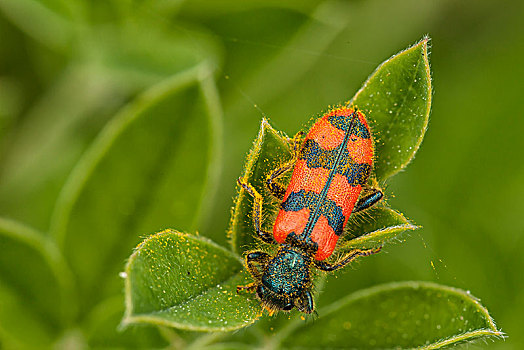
{"points": [[82, 183], [397, 315], [187, 283]]}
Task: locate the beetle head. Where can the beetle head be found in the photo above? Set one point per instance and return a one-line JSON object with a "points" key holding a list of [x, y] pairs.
{"points": [[285, 281]]}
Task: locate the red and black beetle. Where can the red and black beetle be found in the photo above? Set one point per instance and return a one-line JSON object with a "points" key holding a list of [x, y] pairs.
{"points": [[332, 165]]}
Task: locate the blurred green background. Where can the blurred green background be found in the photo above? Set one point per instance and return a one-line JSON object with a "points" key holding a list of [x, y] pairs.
{"points": [[67, 67]]}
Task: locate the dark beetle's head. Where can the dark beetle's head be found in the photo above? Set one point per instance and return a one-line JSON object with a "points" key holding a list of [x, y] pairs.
{"points": [[285, 281]]}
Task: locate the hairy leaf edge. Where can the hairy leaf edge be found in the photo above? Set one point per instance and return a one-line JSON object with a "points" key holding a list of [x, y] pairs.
{"points": [[325, 311], [377, 233], [252, 157]]}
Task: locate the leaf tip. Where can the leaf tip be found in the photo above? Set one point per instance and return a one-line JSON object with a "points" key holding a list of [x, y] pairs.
{"points": [[424, 43], [264, 123]]}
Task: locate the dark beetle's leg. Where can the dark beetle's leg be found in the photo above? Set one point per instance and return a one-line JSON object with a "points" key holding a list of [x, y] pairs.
{"points": [[249, 287], [352, 255], [253, 258], [368, 200], [275, 188], [258, 201], [256, 257], [278, 190]]}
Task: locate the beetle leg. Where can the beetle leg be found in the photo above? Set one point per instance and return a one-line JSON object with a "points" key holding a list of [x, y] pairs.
{"points": [[253, 258], [256, 257], [258, 201], [352, 255], [277, 189], [368, 200], [249, 287]]}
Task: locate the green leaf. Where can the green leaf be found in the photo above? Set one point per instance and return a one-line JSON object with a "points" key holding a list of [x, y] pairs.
{"points": [[398, 315], [396, 98], [187, 282], [152, 167], [270, 149], [374, 227], [35, 286]]}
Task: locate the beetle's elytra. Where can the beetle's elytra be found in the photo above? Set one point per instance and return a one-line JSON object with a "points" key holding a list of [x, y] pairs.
{"points": [[331, 168]]}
